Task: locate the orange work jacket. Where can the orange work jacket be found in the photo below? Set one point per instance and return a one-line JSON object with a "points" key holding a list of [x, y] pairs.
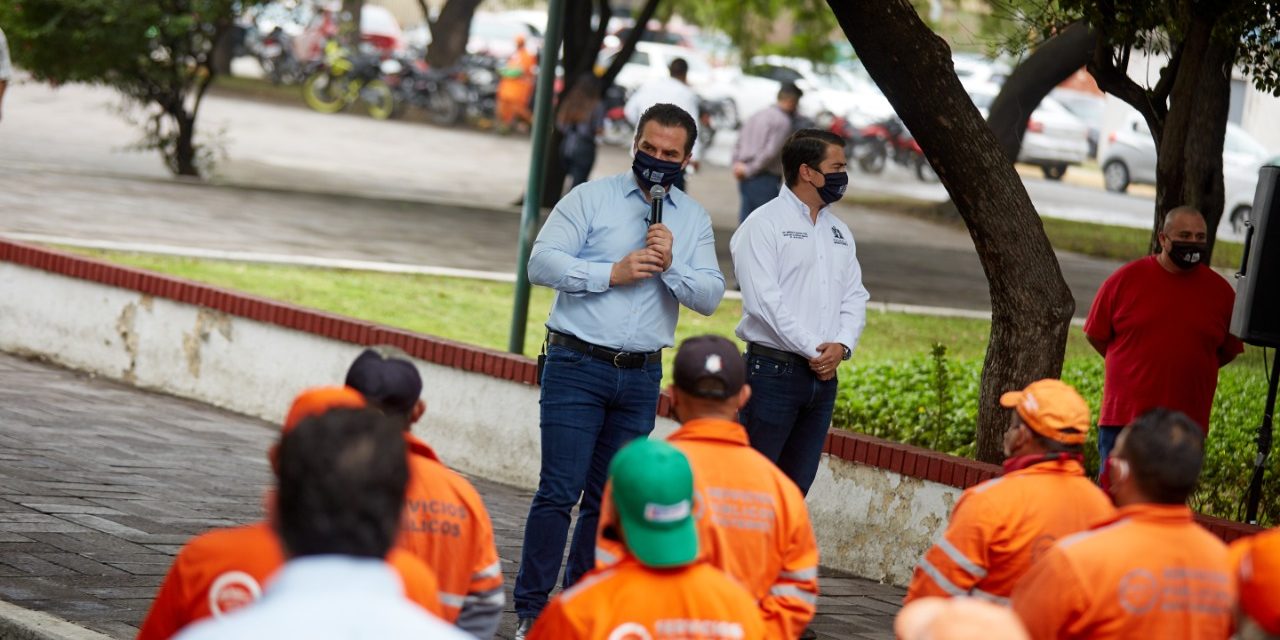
{"points": [[632, 602], [1002, 526], [225, 569], [1151, 572], [752, 524], [446, 525]]}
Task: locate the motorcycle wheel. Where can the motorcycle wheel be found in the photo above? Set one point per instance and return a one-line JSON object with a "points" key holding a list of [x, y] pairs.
{"points": [[873, 159], [323, 93], [924, 170], [442, 109], [379, 99]]}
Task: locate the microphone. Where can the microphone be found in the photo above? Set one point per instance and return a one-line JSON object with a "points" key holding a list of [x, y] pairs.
{"points": [[656, 194]]}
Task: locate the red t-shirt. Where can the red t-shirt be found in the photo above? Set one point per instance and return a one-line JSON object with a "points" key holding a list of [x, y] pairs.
{"points": [[1164, 332]]}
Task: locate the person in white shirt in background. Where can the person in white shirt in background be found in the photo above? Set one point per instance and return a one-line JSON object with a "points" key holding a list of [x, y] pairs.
{"points": [[6, 70], [337, 511], [673, 89], [803, 304]]}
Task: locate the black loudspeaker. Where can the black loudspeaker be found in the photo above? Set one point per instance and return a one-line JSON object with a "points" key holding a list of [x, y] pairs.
{"points": [[1256, 317]]}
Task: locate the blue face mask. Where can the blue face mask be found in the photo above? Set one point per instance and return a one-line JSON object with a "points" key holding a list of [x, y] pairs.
{"points": [[653, 171], [834, 187]]}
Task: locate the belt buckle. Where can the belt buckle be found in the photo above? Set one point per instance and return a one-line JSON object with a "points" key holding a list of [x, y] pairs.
{"points": [[616, 357]]}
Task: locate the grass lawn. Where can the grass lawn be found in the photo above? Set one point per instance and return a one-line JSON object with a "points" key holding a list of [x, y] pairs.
{"points": [[479, 312], [1091, 239]]}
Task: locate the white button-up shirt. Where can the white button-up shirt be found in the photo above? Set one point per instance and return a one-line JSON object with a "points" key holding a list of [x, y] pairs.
{"points": [[329, 597], [801, 283], [666, 90]]}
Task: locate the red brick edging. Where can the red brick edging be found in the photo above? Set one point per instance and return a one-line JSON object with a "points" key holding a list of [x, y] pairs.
{"points": [[854, 447]]}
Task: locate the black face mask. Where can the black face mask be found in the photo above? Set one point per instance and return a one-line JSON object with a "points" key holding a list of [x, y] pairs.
{"points": [[1187, 255], [651, 170], [834, 187]]}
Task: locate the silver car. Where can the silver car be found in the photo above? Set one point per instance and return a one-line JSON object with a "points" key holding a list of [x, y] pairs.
{"points": [[1130, 158], [1055, 139]]}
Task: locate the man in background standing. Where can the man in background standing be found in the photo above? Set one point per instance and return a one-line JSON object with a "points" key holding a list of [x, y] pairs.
{"points": [[757, 157], [1161, 324], [803, 305], [673, 89]]}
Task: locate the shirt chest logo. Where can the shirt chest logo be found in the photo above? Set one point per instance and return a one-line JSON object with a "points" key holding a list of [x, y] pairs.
{"points": [[795, 235], [838, 237]]}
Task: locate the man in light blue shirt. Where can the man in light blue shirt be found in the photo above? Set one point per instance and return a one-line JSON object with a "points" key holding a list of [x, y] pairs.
{"points": [[620, 281], [341, 488]]}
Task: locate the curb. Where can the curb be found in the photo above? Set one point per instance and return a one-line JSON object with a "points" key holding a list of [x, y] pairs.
{"points": [[17, 623]]}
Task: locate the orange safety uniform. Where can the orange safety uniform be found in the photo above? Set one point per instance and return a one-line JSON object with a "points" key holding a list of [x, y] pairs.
{"points": [[630, 601], [446, 525], [515, 88], [222, 570], [1002, 526], [752, 523], [1151, 572]]}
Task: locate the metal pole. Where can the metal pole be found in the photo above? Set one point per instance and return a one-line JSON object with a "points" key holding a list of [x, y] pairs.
{"points": [[1264, 444], [537, 169]]}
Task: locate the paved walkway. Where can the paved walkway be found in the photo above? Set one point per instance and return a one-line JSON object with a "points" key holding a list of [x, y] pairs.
{"points": [[101, 484]]}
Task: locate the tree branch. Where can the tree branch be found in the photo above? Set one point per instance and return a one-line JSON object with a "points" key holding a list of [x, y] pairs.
{"points": [[1160, 93], [1116, 81], [629, 47]]}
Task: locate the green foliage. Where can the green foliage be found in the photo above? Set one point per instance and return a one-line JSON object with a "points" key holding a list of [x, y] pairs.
{"points": [[931, 401], [156, 53], [750, 23]]}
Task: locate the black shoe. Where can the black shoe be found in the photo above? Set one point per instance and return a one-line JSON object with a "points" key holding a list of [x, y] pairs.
{"points": [[523, 627], [808, 634]]}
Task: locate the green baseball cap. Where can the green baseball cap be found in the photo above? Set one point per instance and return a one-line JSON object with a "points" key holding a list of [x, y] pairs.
{"points": [[653, 494]]}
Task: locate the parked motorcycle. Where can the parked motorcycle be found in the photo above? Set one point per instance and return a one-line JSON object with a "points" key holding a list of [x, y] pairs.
{"points": [[414, 84], [345, 78], [713, 116], [470, 93], [875, 145], [616, 129], [274, 52]]}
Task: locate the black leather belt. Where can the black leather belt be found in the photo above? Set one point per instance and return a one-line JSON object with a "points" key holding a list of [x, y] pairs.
{"points": [[619, 359], [775, 354]]}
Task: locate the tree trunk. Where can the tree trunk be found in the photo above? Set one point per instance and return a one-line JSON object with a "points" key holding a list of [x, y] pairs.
{"points": [[349, 23], [1051, 63], [450, 32], [1189, 164], [1031, 306], [184, 149], [553, 184]]}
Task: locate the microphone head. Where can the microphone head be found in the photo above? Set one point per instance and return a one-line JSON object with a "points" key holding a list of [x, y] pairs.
{"points": [[657, 191]]}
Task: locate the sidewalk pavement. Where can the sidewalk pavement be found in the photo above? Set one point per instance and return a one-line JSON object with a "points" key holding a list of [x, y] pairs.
{"points": [[101, 484]]}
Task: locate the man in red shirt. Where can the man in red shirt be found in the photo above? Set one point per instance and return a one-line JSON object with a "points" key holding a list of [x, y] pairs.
{"points": [[1161, 323]]}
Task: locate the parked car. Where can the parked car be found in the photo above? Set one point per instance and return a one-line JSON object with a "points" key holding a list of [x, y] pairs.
{"points": [[978, 70], [494, 34], [1129, 157], [1088, 107], [827, 94], [651, 60], [1055, 139]]}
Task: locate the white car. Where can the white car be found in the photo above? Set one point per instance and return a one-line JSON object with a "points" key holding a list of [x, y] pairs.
{"points": [[652, 60], [1129, 157], [1055, 139], [826, 92]]}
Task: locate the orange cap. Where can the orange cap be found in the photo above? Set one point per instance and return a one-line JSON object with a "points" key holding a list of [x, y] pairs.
{"points": [[1053, 409], [317, 400], [1257, 568], [957, 619]]}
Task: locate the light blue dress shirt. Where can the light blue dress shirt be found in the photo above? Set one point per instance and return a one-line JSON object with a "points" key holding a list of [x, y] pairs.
{"points": [[329, 597], [596, 225]]}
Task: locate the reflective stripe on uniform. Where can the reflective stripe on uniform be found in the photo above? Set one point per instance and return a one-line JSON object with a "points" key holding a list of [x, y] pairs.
{"points": [[792, 591], [990, 597], [962, 560], [800, 574], [491, 597], [492, 571], [940, 579], [452, 600], [604, 557]]}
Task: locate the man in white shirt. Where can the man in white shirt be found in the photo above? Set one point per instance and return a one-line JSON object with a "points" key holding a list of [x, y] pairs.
{"points": [[670, 90], [803, 304], [342, 478]]}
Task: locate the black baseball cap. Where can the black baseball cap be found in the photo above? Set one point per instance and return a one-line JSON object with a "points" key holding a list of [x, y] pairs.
{"points": [[709, 367], [387, 380]]}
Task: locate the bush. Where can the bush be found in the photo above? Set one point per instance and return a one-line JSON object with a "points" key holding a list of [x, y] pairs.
{"points": [[931, 401]]}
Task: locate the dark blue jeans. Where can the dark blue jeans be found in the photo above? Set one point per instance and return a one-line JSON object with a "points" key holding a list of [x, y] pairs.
{"points": [[756, 191], [788, 415], [590, 409]]}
